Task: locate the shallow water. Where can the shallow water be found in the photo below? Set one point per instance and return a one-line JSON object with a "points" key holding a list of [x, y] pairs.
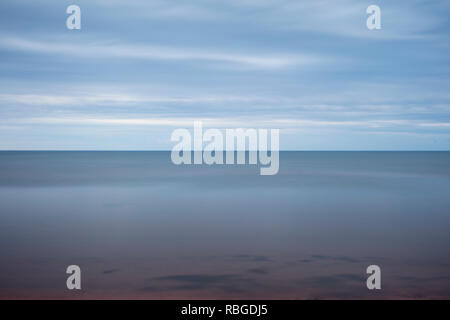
{"points": [[142, 227]]}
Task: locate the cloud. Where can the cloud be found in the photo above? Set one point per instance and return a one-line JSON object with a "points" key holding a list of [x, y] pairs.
{"points": [[403, 19], [221, 122], [61, 100], [223, 282], [250, 257], [429, 280], [346, 18], [332, 281], [148, 52], [334, 258], [407, 19], [436, 124], [109, 271], [258, 270], [310, 68]]}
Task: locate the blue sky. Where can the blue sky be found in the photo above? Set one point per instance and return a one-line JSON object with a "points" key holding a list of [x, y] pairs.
{"points": [[137, 70]]}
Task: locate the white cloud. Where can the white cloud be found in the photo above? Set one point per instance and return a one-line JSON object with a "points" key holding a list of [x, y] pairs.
{"points": [[244, 122], [407, 19], [119, 50], [401, 19], [436, 124], [61, 100]]}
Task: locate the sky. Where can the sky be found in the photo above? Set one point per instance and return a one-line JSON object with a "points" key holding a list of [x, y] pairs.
{"points": [[137, 70]]}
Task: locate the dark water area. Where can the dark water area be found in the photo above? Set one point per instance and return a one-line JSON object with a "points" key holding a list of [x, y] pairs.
{"points": [[141, 227]]}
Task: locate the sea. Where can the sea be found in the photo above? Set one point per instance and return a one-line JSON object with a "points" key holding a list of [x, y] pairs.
{"points": [[141, 227]]}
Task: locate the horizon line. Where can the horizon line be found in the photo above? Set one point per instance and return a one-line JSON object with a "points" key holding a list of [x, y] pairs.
{"points": [[100, 150]]}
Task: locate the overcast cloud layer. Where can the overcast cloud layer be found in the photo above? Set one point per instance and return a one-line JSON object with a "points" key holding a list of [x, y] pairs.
{"points": [[139, 69]]}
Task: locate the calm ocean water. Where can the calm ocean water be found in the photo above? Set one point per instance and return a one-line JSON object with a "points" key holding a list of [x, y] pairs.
{"points": [[141, 227]]}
